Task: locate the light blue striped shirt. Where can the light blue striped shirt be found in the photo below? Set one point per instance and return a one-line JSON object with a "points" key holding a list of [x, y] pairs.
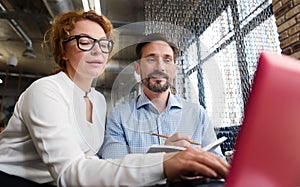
{"points": [[128, 126]]}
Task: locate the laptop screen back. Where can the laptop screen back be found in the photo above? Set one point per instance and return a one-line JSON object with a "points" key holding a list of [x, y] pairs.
{"points": [[268, 144]]}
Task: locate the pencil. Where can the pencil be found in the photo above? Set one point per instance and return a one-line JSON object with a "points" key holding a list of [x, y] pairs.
{"points": [[164, 136]]}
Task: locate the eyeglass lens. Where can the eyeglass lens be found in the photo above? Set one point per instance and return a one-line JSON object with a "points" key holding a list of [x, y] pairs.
{"points": [[87, 43]]}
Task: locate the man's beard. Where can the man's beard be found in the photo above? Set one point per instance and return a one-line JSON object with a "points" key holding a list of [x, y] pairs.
{"points": [[157, 86]]}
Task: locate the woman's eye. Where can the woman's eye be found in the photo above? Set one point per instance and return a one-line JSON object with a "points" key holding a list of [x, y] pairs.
{"points": [[104, 46], [85, 41]]}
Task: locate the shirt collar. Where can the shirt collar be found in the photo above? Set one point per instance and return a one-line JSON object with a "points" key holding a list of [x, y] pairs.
{"points": [[174, 101]]}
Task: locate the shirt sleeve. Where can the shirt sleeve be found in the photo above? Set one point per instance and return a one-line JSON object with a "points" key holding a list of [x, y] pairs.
{"points": [[45, 111], [132, 170], [115, 145]]}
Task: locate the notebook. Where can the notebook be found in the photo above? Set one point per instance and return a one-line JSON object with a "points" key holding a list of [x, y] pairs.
{"points": [[170, 148], [267, 151]]}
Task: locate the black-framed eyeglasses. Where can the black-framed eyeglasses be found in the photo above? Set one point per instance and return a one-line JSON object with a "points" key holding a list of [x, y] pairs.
{"points": [[86, 43]]}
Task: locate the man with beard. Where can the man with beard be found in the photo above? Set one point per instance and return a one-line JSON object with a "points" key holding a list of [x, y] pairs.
{"points": [[157, 109]]}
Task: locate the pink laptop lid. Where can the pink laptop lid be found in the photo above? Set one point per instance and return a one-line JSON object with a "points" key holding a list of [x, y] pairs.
{"points": [[268, 144]]}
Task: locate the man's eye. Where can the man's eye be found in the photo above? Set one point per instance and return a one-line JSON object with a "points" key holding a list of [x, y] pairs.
{"points": [[167, 60], [150, 60]]}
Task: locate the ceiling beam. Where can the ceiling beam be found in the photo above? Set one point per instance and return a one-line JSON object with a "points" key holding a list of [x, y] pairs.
{"points": [[21, 15]]}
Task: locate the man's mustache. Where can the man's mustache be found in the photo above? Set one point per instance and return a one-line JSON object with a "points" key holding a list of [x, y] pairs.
{"points": [[156, 74]]}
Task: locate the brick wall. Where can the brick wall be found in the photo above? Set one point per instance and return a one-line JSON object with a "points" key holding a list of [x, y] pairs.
{"points": [[287, 14]]}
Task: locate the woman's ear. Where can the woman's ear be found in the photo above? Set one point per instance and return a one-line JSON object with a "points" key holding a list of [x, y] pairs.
{"points": [[64, 57]]}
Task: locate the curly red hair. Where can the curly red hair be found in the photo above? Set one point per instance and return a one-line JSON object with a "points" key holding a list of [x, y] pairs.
{"points": [[64, 23]]}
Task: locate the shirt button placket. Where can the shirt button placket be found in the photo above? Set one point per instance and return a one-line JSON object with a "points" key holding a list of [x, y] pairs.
{"points": [[159, 128]]}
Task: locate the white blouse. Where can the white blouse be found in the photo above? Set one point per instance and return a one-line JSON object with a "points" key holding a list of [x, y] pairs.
{"points": [[48, 139]]}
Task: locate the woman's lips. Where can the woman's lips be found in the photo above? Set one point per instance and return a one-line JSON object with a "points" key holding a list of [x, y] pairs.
{"points": [[94, 62]]}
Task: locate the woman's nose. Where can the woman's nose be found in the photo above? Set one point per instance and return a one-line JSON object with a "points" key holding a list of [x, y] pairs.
{"points": [[96, 50]]}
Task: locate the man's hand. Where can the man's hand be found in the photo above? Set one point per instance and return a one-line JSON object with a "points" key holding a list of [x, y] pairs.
{"points": [[178, 139], [194, 162]]}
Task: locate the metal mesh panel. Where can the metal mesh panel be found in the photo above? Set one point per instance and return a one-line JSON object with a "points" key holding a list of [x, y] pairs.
{"points": [[220, 42]]}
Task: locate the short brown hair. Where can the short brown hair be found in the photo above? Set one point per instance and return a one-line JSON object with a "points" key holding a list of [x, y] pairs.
{"points": [[64, 23], [155, 37]]}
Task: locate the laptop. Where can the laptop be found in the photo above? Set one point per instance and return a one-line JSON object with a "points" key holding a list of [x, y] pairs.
{"points": [[267, 151]]}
